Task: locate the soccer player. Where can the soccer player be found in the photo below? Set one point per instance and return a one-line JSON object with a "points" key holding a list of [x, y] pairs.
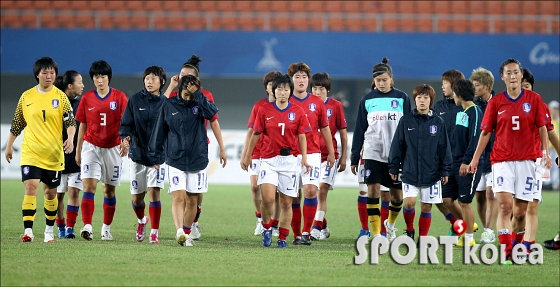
{"points": [[256, 158], [515, 115], [137, 123], [181, 127], [100, 150], [317, 115], [191, 68], [287, 124], [447, 110], [531, 221], [320, 86], [378, 115], [421, 149], [362, 202], [465, 135], [486, 203], [43, 111], [71, 83]]}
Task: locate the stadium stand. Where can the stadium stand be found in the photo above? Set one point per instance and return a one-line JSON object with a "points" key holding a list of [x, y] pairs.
{"points": [[530, 17]]}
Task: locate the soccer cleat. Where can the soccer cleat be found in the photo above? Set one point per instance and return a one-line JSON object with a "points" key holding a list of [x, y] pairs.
{"points": [[195, 231], [462, 239], [275, 232], [508, 262], [364, 232], [154, 238], [390, 231], [305, 239], [86, 232], [487, 237], [70, 233], [106, 235], [267, 237], [475, 227], [325, 234], [315, 234], [61, 232], [258, 229], [282, 244], [410, 233], [181, 238], [188, 240], [28, 235], [49, 236], [551, 244], [451, 231], [141, 231]]}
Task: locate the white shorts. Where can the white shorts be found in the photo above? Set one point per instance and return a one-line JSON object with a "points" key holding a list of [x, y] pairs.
{"points": [[191, 181], [485, 181], [69, 180], [103, 164], [516, 177], [312, 177], [327, 174], [537, 192], [428, 194], [282, 172], [142, 177], [255, 167], [362, 185]]}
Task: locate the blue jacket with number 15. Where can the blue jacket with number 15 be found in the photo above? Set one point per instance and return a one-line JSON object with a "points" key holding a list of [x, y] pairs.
{"points": [[421, 149]]}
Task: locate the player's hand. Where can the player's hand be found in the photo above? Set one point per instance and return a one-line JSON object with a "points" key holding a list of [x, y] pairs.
{"points": [[354, 169], [393, 176], [68, 145], [174, 82], [341, 165], [305, 165], [192, 87], [444, 179], [245, 163], [473, 166], [548, 162], [223, 158], [123, 149], [463, 170], [331, 160], [9, 153], [78, 158], [157, 166]]}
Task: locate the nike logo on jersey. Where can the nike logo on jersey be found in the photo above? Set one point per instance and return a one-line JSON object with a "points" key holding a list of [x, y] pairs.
{"points": [[441, 113], [410, 129], [269, 118], [54, 180], [29, 104], [501, 112], [91, 108], [142, 109], [174, 113]]}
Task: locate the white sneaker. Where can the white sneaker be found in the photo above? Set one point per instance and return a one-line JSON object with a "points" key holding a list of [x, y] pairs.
{"points": [[27, 236], [181, 238], [487, 237], [325, 233], [275, 232], [195, 232], [141, 230], [87, 232], [391, 232], [106, 233], [258, 229], [49, 236], [188, 240], [315, 234], [154, 238]]}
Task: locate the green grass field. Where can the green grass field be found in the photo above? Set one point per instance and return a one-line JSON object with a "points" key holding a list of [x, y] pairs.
{"points": [[229, 254]]}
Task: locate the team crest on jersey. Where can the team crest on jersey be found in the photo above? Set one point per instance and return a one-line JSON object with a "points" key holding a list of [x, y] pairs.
{"points": [[312, 107], [55, 103], [175, 180], [135, 184], [500, 181], [329, 113], [433, 130], [394, 104], [292, 117], [526, 107], [26, 170], [464, 118], [195, 110], [113, 105]]}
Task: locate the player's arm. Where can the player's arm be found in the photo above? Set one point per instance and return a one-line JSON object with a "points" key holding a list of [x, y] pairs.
{"points": [[543, 135], [303, 149], [69, 123], [246, 142], [81, 132], [173, 83], [327, 137], [246, 160], [344, 146], [18, 124], [474, 129], [358, 137], [157, 138], [395, 159], [553, 138], [215, 125]]}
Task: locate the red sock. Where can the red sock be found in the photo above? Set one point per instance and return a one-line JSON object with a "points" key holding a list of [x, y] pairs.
{"points": [[266, 225], [384, 214], [517, 237], [88, 206], [451, 218], [317, 224], [60, 222], [258, 214], [309, 210], [198, 211], [408, 215], [424, 223], [71, 215], [109, 205], [506, 239], [362, 212], [284, 232], [139, 210], [187, 230], [324, 223], [296, 220], [155, 213], [274, 223]]}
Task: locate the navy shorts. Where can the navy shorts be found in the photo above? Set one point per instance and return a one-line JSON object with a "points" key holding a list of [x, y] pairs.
{"points": [[461, 188], [48, 177], [378, 172]]}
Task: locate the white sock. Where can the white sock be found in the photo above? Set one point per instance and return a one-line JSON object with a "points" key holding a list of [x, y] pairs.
{"points": [[259, 219], [28, 231], [180, 231], [319, 215], [154, 231], [106, 227], [390, 225], [469, 237], [488, 230], [49, 228]]}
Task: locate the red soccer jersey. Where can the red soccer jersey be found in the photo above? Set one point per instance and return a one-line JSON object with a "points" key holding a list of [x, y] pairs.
{"points": [[282, 127], [515, 123], [102, 116], [314, 108], [549, 127], [262, 139], [337, 121], [210, 98]]}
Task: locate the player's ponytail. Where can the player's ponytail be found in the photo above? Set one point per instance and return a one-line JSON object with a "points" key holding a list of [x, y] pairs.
{"points": [[62, 82]]}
